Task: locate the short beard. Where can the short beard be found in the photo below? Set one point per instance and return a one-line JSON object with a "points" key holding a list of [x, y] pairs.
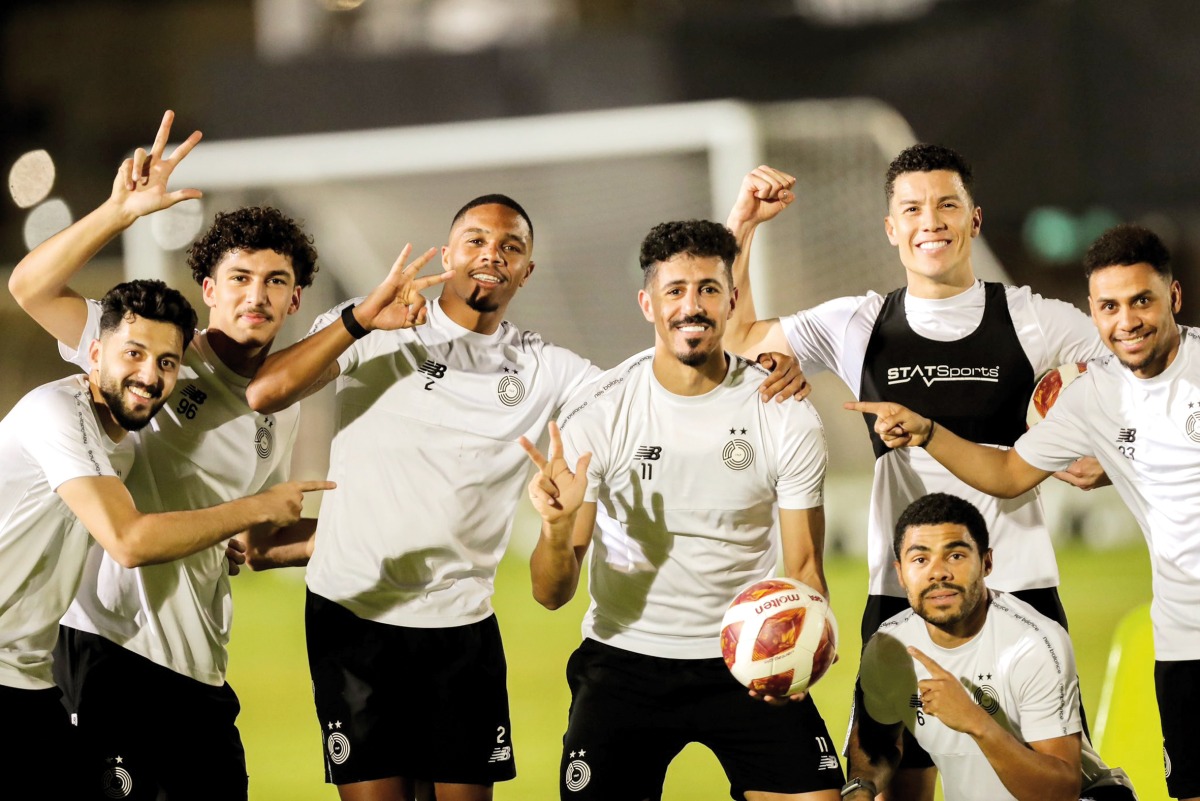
{"points": [[692, 358], [481, 305], [971, 598], [112, 394]]}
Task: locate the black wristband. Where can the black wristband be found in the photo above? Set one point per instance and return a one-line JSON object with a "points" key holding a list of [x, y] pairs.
{"points": [[929, 439], [353, 326]]}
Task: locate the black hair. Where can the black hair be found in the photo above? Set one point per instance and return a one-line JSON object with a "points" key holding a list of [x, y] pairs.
{"points": [[927, 158], [702, 238], [1128, 244], [937, 508], [493, 200], [254, 228], [150, 299]]}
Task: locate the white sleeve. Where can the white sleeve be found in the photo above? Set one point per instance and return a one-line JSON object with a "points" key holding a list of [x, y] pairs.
{"points": [[61, 435], [1047, 688], [91, 330], [833, 336], [803, 455], [580, 437], [1053, 332], [1063, 436], [569, 371]]}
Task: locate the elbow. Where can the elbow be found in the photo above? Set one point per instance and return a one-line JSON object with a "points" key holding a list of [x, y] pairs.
{"points": [[550, 600], [129, 557], [17, 288], [261, 397]]}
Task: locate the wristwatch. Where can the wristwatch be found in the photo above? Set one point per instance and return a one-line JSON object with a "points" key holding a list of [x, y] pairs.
{"points": [[859, 784]]}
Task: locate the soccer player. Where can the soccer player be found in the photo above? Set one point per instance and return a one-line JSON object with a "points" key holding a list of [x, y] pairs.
{"points": [[679, 468], [1138, 410], [984, 682], [65, 455], [136, 636], [961, 350], [402, 572]]}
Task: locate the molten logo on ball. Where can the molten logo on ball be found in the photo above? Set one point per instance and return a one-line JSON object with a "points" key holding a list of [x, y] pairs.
{"points": [[778, 637]]}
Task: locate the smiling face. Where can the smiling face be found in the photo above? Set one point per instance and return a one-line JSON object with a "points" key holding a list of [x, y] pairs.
{"points": [[689, 300], [942, 572], [135, 368], [250, 294], [490, 250], [1134, 307], [932, 220]]}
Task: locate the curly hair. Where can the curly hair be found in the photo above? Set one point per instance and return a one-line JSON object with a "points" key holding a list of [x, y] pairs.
{"points": [[496, 200], [702, 238], [937, 508], [253, 228], [150, 299], [1127, 244], [927, 158]]}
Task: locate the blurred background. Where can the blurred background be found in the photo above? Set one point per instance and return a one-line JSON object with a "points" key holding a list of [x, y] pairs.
{"points": [[372, 121]]}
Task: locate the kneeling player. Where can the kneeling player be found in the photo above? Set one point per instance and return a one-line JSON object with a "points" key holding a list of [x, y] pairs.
{"points": [[985, 683]]}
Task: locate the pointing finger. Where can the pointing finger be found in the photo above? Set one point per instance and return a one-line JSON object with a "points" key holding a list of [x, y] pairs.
{"points": [[933, 667], [315, 486]]}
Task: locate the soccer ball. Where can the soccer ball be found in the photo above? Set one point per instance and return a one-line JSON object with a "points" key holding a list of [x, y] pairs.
{"points": [[1048, 388], [779, 637]]}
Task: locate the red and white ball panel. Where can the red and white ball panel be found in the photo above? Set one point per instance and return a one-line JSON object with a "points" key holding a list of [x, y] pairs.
{"points": [[1049, 387], [779, 637]]}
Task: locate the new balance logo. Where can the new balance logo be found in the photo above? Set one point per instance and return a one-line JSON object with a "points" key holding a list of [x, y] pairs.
{"points": [[434, 370], [647, 454], [501, 754], [828, 762]]}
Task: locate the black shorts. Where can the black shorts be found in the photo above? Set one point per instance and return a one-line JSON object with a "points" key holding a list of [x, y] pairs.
{"points": [[425, 704], [882, 607], [1177, 687], [146, 731], [36, 735], [631, 714]]}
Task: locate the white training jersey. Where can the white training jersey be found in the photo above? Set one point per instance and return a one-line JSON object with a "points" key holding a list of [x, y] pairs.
{"points": [[1020, 668], [428, 467], [685, 491], [51, 436], [206, 446], [834, 336], [1146, 434]]}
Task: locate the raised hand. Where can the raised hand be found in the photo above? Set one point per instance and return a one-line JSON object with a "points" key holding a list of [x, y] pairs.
{"points": [[786, 379], [555, 491], [397, 303], [764, 193], [945, 697], [897, 426], [285, 501], [140, 187]]}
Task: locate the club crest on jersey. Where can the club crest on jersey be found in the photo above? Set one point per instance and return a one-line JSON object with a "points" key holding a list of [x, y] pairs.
{"points": [[579, 772], [985, 696], [264, 440], [934, 373], [116, 780], [1192, 426], [737, 454], [337, 744], [510, 390]]}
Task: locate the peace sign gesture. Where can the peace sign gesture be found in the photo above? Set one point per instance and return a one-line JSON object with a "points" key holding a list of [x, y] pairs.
{"points": [[397, 302], [556, 492], [945, 697], [140, 187]]}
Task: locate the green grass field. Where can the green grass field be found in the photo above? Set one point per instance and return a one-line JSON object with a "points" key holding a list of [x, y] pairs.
{"points": [[283, 743]]}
